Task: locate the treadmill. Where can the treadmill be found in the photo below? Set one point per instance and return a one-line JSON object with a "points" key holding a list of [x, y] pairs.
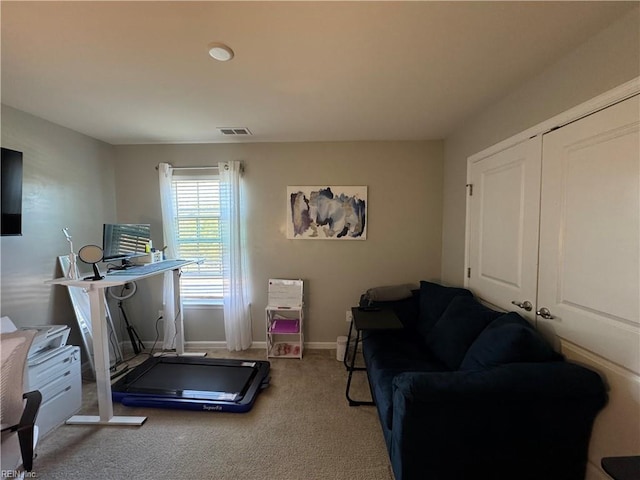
{"points": [[193, 383]]}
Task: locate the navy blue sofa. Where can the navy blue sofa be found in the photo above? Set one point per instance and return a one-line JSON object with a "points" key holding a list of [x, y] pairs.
{"points": [[466, 392]]}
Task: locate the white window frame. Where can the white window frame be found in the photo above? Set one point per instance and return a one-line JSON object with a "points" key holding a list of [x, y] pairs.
{"points": [[191, 212]]}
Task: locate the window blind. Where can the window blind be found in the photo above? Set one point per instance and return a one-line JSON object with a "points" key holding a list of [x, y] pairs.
{"points": [[197, 207]]}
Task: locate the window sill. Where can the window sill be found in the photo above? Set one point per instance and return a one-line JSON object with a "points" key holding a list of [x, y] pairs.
{"points": [[202, 304]]}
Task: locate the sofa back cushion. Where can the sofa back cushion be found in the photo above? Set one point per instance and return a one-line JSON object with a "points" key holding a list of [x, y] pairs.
{"points": [[434, 300], [508, 339], [457, 328]]}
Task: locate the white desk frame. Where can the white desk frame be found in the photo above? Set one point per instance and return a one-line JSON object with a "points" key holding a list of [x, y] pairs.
{"points": [[96, 290]]}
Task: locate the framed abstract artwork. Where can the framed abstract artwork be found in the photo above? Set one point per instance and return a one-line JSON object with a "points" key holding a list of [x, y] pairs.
{"points": [[327, 212]]}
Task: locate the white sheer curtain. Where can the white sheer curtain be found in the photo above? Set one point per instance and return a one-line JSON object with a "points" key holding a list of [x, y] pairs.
{"points": [[237, 319], [165, 172]]}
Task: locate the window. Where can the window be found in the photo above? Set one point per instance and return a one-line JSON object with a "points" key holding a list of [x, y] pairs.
{"points": [[197, 207]]}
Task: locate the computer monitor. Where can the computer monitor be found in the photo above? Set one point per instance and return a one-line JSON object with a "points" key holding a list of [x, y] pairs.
{"points": [[124, 240]]}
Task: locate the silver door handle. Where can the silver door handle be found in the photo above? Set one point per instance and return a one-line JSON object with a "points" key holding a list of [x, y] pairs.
{"points": [[545, 313], [526, 305]]}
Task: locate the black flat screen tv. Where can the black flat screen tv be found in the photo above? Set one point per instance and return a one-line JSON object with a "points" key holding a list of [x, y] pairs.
{"points": [[11, 184], [121, 241]]}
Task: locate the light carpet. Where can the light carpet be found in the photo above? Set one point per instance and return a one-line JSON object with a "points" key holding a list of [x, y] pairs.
{"points": [[299, 428]]}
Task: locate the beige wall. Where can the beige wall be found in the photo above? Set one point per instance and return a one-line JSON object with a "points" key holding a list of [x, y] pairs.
{"points": [[68, 181], [603, 62], [71, 180], [404, 229]]}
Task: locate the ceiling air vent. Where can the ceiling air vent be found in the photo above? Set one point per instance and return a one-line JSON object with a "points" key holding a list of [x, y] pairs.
{"points": [[231, 131]]}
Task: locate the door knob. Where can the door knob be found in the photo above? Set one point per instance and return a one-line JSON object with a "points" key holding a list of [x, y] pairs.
{"points": [[545, 313], [526, 305]]}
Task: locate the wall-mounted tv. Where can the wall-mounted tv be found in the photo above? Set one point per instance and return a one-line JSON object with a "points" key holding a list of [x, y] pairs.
{"points": [[122, 241], [11, 184]]}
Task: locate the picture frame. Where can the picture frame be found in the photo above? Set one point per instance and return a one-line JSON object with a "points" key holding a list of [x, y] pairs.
{"points": [[327, 212]]}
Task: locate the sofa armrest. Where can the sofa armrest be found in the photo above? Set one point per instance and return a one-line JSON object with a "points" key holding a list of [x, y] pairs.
{"points": [[524, 420]]}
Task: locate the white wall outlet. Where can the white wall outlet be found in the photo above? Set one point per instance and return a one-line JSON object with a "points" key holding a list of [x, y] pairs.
{"points": [[349, 316], [160, 314]]}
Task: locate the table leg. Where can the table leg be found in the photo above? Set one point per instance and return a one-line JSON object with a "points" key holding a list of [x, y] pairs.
{"points": [[179, 319], [353, 368], [345, 360], [103, 378]]}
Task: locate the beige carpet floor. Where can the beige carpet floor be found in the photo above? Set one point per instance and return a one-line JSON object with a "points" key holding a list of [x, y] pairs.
{"points": [[300, 428]]}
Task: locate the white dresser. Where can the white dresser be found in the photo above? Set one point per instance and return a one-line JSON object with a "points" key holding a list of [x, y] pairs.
{"points": [[53, 368], [55, 373]]}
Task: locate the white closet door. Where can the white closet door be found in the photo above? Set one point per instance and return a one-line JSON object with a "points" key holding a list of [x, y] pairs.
{"points": [[590, 233], [503, 212]]}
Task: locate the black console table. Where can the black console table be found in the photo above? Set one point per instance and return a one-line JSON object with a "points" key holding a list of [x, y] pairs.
{"points": [[366, 319], [622, 468]]}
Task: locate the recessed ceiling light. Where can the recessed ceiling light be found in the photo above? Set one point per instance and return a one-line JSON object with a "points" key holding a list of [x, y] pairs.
{"points": [[220, 52]]}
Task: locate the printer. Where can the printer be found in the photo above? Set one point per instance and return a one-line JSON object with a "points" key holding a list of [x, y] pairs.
{"points": [[49, 337]]}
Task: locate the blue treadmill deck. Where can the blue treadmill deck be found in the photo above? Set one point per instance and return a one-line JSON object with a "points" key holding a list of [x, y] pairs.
{"points": [[193, 383]]}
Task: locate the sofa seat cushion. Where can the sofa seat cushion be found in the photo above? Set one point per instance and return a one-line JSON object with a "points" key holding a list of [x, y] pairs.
{"points": [[508, 339], [434, 300], [458, 327], [387, 354]]}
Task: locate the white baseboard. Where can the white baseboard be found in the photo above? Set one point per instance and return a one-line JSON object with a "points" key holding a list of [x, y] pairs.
{"points": [[204, 345], [320, 345], [261, 344], [127, 349]]}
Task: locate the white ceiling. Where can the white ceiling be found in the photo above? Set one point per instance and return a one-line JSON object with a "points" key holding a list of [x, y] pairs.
{"points": [[139, 72]]}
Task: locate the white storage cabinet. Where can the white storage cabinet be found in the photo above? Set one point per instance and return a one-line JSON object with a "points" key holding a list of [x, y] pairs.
{"points": [[56, 374], [284, 313]]}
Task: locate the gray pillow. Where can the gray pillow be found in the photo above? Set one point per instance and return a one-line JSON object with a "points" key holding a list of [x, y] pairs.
{"points": [[389, 293]]}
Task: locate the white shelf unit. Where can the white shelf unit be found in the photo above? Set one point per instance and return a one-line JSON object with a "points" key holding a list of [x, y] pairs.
{"points": [[285, 315]]}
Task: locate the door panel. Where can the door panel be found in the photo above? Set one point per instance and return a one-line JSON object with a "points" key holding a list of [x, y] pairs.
{"points": [[503, 227], [590, 233]]}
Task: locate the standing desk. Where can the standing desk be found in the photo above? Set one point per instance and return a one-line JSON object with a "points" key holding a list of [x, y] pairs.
{"points": [[96, 291]]}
